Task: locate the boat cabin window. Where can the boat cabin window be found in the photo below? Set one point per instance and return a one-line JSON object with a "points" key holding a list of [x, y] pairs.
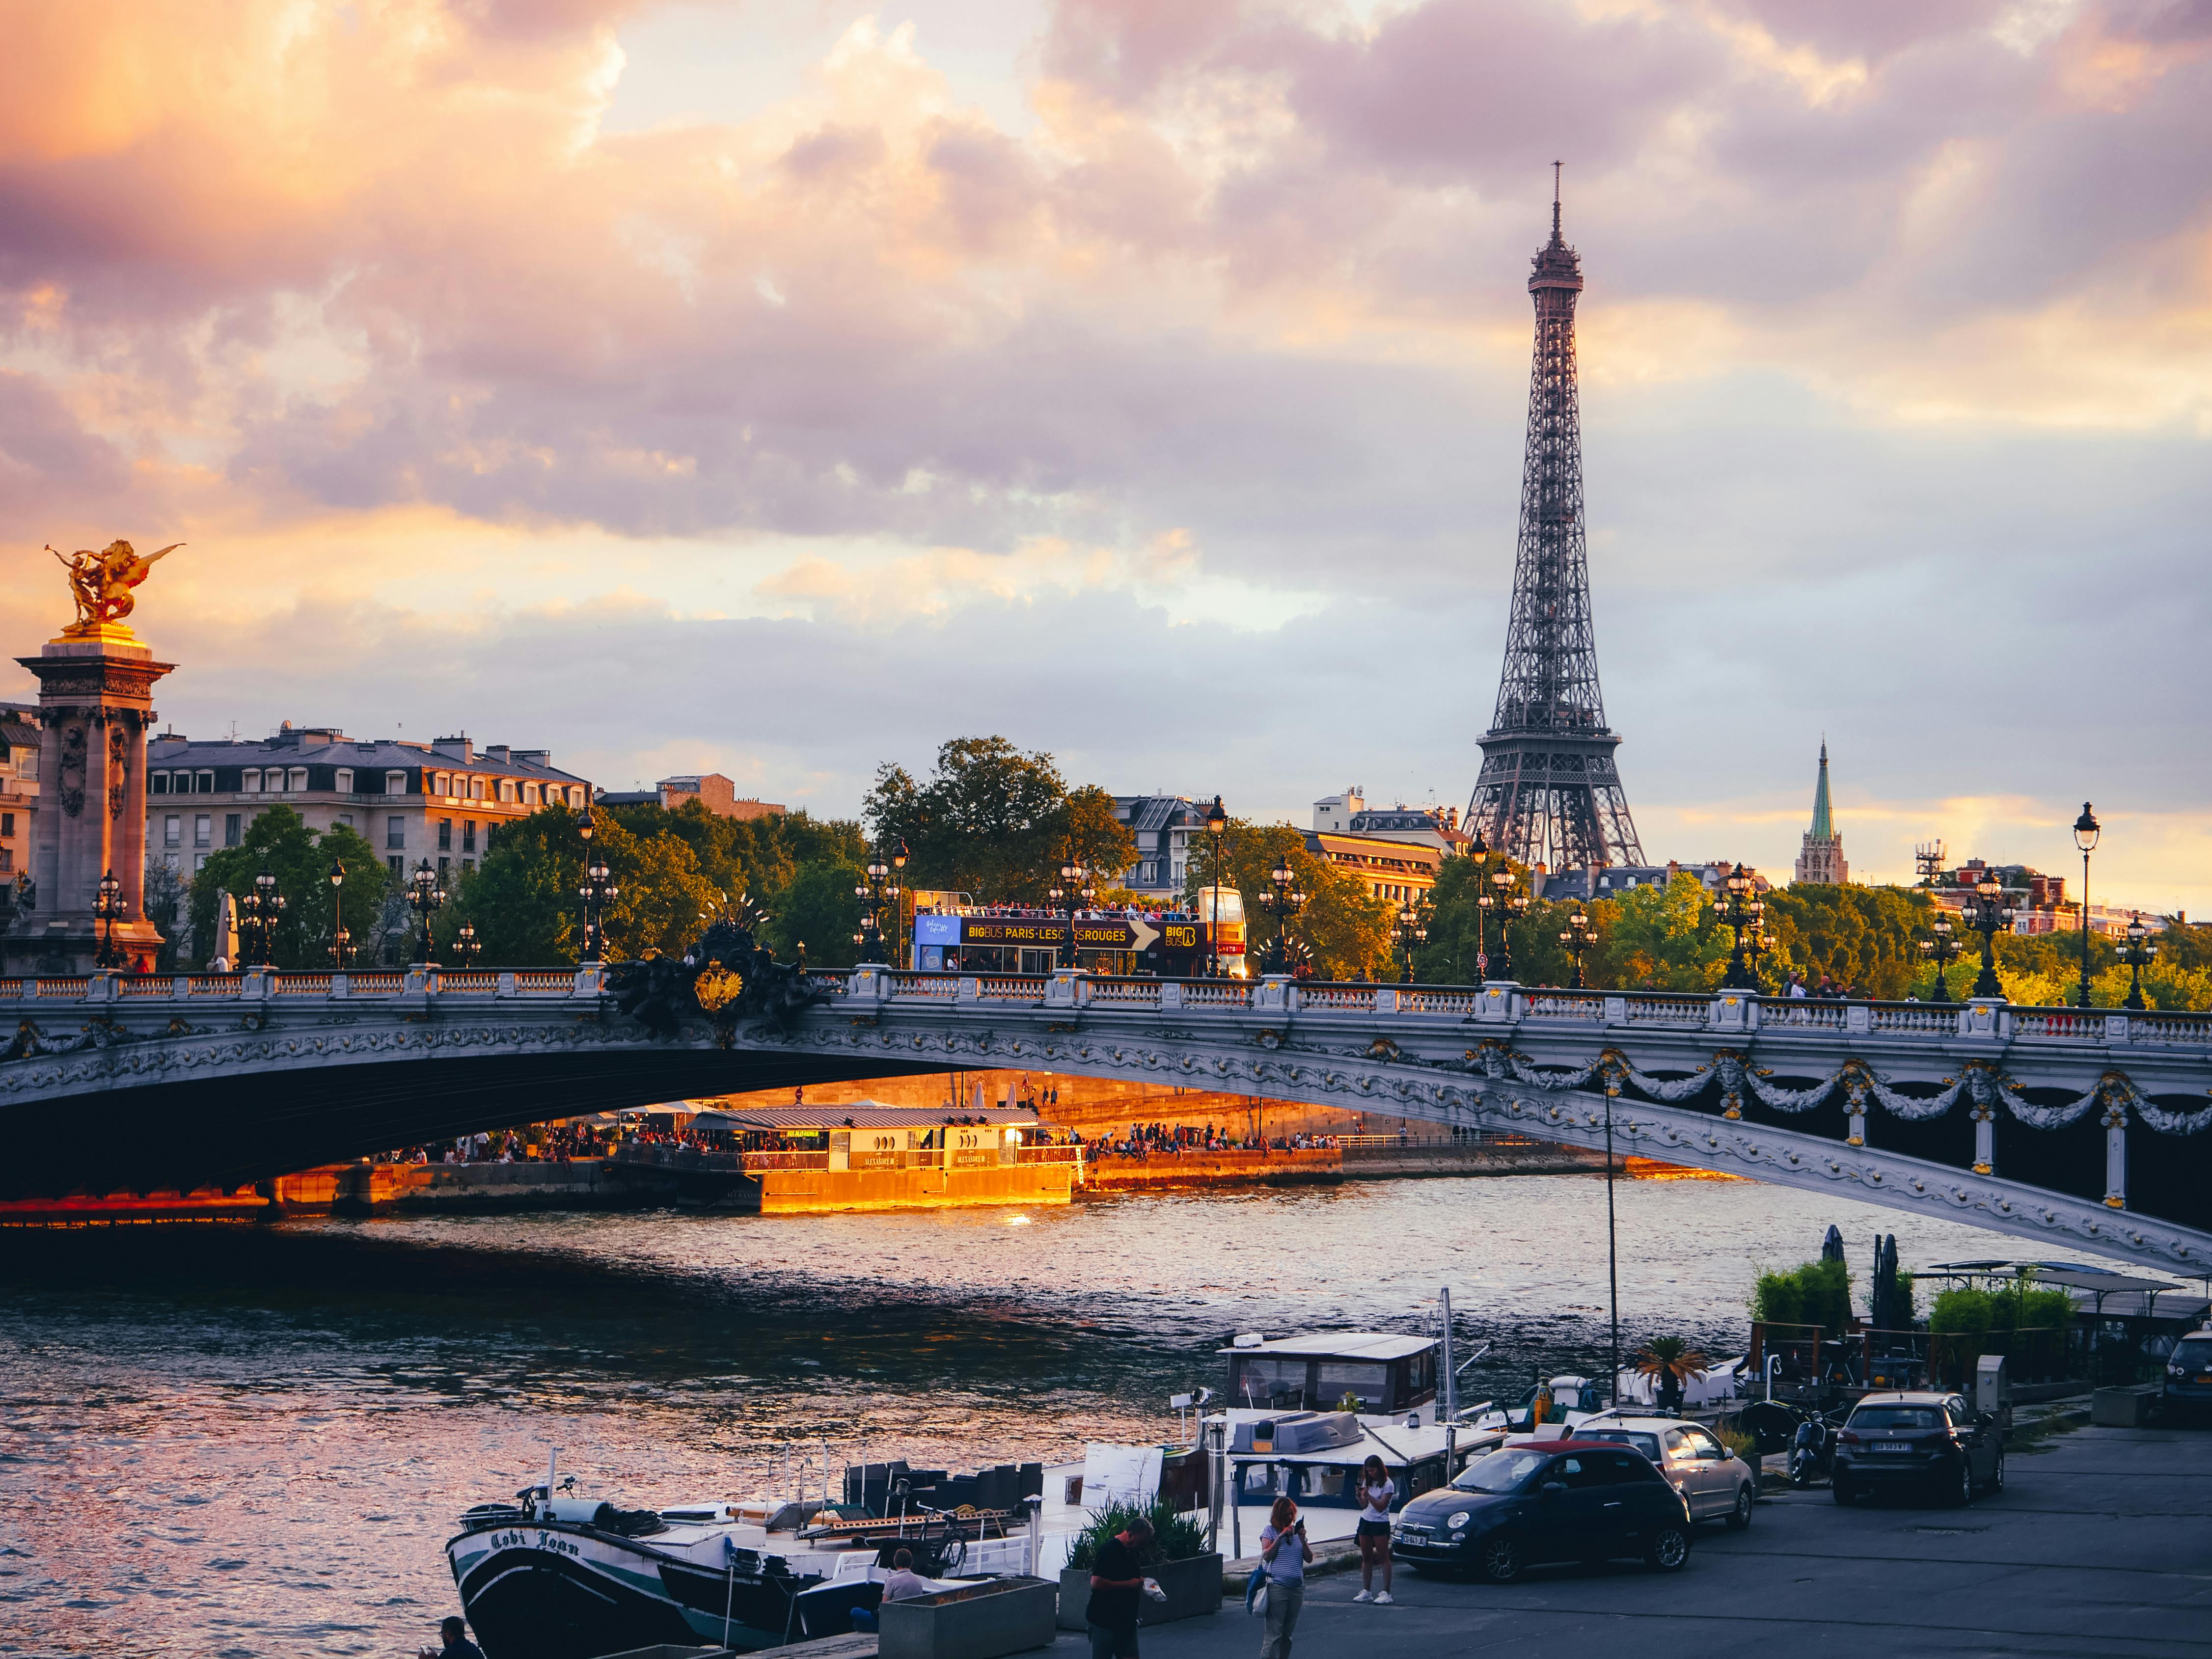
{"points": [[1272, 1384], [1366, 1385]]}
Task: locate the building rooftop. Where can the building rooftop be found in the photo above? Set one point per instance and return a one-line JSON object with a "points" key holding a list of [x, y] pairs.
{"points": [[327, 746]]}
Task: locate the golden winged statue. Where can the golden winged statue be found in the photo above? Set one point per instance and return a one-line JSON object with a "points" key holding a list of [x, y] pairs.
{"points": [[101, 582]]}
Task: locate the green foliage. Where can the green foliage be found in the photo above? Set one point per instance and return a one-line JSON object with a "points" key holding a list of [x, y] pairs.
{"points": [[1175, 1536], [995, 821], [280, 841], [1812, 1293], [521, 898], [1963, 1310], [1868, 937], [1345, 930], [1971, 1310], [1663, 938], [817, 909]]}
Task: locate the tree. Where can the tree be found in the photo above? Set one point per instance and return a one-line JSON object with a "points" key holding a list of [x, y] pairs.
{"points": [[1345, 929], [1868, 937], [817, 906], [524, 903], [1662, 939], [280, 841], [995, 821]]}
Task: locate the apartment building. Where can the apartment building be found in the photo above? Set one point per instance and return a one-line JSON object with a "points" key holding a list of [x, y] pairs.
{"points": [[437, 801]]}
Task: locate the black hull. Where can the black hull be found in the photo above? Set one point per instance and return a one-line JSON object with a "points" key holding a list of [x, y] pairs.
{"points": [[530, 1598]]}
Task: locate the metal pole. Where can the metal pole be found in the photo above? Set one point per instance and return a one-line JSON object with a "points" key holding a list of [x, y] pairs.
{"points": [[1612, 1251], [2085, 928]]}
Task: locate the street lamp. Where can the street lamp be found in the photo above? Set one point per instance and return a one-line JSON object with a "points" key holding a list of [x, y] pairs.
{"points": [[1741, 909], [1282, 901], [596, 891], [260, 911], [1578, 937], [1216, 828], [1412, 930], [1988, 914], [873, 893], [467, 947], [2086, 831], [1940, 950], [2137, 953], [339, 937], [109, 907], [426, 898], [1511, 903]]}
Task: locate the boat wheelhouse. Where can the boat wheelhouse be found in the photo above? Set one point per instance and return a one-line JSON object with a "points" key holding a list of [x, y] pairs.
{"points": [[1358, 1372]]}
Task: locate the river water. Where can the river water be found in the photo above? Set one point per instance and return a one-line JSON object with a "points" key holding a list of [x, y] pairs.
{"points": [[247, 1442]]}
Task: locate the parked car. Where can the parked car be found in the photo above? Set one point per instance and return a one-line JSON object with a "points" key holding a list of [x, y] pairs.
{"points": [[1922, 1441], [2189, 1377], [1561, 1500], [1716, 1484]]}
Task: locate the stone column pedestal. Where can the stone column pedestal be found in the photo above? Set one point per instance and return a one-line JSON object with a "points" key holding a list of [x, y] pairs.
{"points": [[95, 703]]}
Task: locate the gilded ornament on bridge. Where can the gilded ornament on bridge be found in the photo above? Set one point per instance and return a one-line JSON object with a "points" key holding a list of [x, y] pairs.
{"points": [[717, 988], [100, 583]]}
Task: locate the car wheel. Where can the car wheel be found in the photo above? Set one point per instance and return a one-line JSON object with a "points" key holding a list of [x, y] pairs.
{"points": [[1739, 1517], [1497, 1558], [1670, 1548], [1961, 1491], [1845, 1494], [1996, 1474]]}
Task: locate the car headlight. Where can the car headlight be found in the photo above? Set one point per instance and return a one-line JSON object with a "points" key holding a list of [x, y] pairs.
{"points": [[1459, 1537], [1459, 1517]]}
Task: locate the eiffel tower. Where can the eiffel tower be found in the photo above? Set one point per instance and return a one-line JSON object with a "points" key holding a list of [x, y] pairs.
{"points": [[1548, 793]]}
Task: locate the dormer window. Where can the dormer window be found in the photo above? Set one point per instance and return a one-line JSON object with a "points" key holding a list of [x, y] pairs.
{"points": [[395, 783], [507, 789], [344, 782], [249, 780], [530, 794], [206, 782]]}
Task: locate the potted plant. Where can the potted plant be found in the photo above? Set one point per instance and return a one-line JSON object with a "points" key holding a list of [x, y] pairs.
{"points": [[1672, 1362], [1176, 1559]]}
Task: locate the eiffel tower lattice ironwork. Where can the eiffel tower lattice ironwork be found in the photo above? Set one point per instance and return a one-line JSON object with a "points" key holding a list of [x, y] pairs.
{"points": [[1548, 793]]}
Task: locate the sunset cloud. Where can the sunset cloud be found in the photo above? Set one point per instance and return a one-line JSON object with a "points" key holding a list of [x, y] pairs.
{"points": [[1894, 313]]}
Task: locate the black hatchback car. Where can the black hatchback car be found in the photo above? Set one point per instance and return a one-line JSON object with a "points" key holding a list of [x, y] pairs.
{"points": [[1560, 1500], [1934, 1444]]}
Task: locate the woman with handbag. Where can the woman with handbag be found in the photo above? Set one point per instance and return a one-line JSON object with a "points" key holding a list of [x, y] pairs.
{"points": [[1283, 1552]]}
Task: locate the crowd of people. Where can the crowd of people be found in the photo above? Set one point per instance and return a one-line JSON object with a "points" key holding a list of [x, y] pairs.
{"points": [[1150, 1141], [1821, 990]]}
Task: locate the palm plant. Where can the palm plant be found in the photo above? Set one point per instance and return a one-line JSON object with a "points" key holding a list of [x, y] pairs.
{"points": [[1672, 1362]]}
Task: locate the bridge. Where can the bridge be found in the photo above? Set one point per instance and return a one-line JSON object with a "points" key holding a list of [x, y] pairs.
{"points": [[2073, 1126]]}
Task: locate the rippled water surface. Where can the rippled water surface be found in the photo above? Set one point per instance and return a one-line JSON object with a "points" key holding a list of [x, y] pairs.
{"points": [[249, 1442]]}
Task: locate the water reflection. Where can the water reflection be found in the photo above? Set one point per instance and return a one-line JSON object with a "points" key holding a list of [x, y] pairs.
{"points": [[253, 1441]]}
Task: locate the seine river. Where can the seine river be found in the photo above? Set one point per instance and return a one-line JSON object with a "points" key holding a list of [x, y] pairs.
{"points": [[247, 1442]]}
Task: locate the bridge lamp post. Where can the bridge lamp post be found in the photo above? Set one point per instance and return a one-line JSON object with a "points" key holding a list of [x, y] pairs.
{"points": [[2086, 831], [1216, 830], [339, 938], [872, 893], [1741, 910], [108, 907], [1412, 930], [467, 947], [1940, 950], [426, 898], [262, 909], [1988, 914], [1578, 937], [1283, 902], [2137, 954], [1511, 903]]}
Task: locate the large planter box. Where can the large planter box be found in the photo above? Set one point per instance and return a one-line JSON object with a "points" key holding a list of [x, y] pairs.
{"points": [[976, 1621], [1193, 1584], [2124, 1407]]}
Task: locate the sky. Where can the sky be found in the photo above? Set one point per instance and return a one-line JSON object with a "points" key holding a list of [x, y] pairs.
{"points": [[784, 389]]}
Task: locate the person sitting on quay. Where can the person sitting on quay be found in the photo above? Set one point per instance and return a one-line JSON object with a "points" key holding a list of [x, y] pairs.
{"points": [[903, 1583], [453, 1633]]}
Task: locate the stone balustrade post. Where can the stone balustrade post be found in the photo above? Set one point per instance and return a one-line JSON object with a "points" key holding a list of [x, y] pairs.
{"points": [[1616, 1010], [1980, 1022], [1385, 999], [1730, 1010], [871, 984], [507, 982], [102, 987], [2116, 1155], [1858, 1018], [1065, 988], [257, 984], [1171, 994], [1495, 1001], [1273, 994]]}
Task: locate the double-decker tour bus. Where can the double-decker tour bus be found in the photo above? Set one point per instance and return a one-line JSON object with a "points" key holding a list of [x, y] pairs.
{"points": [[953, 936]]}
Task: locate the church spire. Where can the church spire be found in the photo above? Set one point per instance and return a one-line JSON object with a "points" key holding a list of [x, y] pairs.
{"points": [[1822, 860], [1824, 824]]}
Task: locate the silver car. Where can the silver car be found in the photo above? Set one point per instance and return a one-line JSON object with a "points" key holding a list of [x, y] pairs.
{"points": [[1717, 1484]]}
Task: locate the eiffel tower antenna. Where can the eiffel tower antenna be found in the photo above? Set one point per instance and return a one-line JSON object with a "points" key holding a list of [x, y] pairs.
{"points": [[1548, 793]]}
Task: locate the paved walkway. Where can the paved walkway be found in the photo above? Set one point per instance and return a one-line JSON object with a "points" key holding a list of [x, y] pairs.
{"points": [[2101, 1545]]}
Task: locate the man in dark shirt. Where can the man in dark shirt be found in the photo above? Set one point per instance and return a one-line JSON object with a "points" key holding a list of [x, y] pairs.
{"points": [[458, 1645], [1117, 1579]]}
